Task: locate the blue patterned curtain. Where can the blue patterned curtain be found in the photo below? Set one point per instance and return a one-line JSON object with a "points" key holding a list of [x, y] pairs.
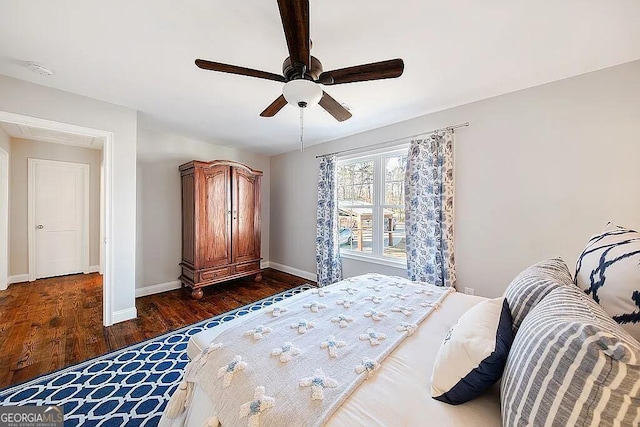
{"points": [[328, 264], [429, 210]]}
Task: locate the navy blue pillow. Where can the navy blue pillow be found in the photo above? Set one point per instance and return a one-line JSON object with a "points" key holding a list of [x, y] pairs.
{"points": [[474, 353]]}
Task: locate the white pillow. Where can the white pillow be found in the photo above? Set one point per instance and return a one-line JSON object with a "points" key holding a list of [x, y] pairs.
{"points": [[474, 352], [609, 270]]}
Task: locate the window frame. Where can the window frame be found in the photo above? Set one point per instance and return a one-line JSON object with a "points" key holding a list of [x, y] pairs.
{"points": [[379, 168]]}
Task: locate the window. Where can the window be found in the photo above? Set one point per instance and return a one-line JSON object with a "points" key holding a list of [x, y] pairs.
{"points": [[371, 206]]}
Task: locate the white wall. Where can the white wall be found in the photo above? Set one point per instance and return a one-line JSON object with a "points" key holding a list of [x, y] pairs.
{"points": [[20, 97], [21, 151], [159, 234], [537, 172]]}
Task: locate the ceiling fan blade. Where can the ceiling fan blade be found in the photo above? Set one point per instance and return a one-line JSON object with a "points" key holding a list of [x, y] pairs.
{"points": [[334, 108], [295, 21], [360, 73], [275, 106], [234, 69]]}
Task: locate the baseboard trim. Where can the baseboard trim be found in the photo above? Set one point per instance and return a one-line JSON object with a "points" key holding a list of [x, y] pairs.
{"points": [[18, 278], [156, 289], [122, 315], [93, 269], [295, 271], [170, 286]]}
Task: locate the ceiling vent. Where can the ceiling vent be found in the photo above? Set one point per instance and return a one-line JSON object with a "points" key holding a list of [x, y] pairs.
{"points": [[37, 68]]}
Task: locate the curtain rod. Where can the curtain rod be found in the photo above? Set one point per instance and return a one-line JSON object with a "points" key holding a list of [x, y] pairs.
{"points": [[459, 125]]}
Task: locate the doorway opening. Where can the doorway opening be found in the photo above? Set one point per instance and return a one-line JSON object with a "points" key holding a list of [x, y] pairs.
{"points": [[58, 240]]}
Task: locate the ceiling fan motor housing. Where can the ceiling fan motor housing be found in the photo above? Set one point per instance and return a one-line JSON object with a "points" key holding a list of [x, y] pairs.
{"points": [[292, 72]]}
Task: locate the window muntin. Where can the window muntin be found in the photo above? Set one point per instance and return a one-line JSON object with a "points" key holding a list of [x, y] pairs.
{"points": [[371, 205]]}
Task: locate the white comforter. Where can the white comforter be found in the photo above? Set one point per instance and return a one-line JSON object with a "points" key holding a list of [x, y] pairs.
{"points": [[398, 395]]}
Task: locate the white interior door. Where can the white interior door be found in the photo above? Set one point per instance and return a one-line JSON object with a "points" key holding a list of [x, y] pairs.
{"points": [[59, 218]]}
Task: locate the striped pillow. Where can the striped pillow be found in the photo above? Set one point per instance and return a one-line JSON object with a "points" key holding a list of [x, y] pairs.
{"points": [[533, 284], [609, 270], [569, 365]]}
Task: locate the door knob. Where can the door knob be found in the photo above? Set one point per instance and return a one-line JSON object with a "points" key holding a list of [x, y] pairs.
{"points": [[39, 226]]}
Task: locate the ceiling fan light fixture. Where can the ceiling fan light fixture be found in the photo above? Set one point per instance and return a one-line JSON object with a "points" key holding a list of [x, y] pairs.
{"points": [[302, 93]]}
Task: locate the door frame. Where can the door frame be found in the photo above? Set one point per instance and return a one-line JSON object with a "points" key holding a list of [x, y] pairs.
{"points": [[4, 219], [31, 212], [101, 253], [106, 247]]}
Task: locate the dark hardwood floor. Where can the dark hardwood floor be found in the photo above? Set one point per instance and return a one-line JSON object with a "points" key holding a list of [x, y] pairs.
{"points": [[53, 323]]}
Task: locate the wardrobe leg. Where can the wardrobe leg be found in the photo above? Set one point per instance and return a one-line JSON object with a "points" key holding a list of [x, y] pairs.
{"points": [[196, 293]]}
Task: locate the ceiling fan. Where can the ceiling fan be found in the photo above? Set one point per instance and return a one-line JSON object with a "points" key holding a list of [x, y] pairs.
{"points": [[302, 73]]}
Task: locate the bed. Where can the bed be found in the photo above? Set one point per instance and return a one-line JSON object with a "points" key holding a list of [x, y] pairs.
{"points": [[399, 393]]}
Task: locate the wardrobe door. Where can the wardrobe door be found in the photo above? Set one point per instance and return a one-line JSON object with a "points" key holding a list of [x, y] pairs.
{"points": [[213, 235], [188, 219], [246, 216]]}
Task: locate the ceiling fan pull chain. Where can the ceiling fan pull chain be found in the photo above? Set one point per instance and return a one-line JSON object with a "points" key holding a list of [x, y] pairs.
{"points": [[301, 129]]}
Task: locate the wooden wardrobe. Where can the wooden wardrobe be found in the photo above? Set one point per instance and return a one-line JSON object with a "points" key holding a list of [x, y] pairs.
{"points": [[220, 223]]}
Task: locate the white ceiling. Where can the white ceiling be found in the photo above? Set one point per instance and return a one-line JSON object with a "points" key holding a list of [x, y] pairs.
{"points": [[140, 53], [50, 135]]}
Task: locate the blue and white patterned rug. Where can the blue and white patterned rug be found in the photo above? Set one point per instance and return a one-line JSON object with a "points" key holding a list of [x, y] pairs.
{"points": [[127, 387]]}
